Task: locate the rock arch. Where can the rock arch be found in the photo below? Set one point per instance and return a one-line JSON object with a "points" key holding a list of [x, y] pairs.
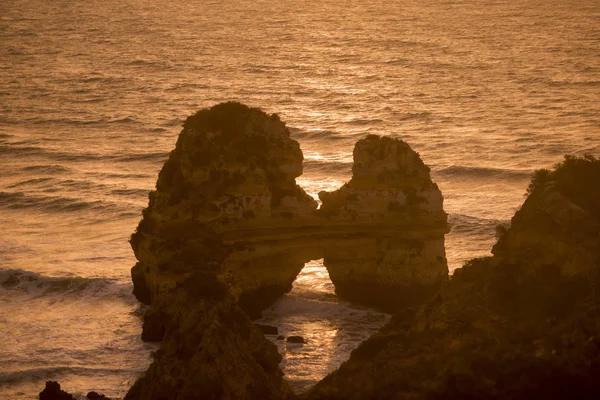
{"points": [[228, 229]]}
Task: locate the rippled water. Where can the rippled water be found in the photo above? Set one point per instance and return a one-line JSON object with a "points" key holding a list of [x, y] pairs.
{"points": [[92, 96], [330, 328]]}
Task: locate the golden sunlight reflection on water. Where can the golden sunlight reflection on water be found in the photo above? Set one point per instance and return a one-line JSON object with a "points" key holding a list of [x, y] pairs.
{"points": [[331, 328]]}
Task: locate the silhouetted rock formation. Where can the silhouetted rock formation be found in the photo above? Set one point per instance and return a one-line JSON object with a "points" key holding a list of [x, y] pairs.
{"points": [[522, 324], [558, 223], [52, 391], [228, 230], [295, 339], [402, 261]]}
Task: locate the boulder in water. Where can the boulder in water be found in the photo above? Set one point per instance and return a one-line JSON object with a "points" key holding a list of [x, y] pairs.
{"points": [[295, 339], [52, 391]]}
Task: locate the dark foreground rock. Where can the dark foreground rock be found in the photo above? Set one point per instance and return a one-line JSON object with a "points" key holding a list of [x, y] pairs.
{"points": [[52, 391], [523, 324], [268, 329]]}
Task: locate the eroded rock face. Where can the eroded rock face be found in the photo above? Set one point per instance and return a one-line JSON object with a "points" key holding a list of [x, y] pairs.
{"points": [[228, 230], [402, 260], [390, 185], [522, 324], [551, 229], [213, 351], [233, 170]]}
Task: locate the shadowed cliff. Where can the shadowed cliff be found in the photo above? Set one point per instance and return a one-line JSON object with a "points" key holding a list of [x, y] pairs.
{"points": [[522, 324]]}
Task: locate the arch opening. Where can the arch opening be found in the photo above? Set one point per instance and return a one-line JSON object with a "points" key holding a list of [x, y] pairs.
{"points": [[330, 327]]}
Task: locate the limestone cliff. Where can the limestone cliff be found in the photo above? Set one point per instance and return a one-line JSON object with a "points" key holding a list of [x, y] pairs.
{"points": [[227, 231], [232, 171], [522, 324], [558, 223], [232, 166], [390, 189]]}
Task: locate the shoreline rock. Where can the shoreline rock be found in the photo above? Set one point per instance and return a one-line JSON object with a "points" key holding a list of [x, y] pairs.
{"points": [[390, 187], [522, 324], [221, 240], [52, 391]]}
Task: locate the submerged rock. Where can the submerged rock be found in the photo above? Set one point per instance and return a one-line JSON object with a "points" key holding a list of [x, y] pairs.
{"points": [[522, 324], [227, 231], [295, 339]]}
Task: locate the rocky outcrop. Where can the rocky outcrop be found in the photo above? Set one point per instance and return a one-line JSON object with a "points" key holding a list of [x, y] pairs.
{"points": [[522, 324], [212, 351], [232, 166], [52, 391], [390, 190], [232, 171], [227, 231], [558, 223]]}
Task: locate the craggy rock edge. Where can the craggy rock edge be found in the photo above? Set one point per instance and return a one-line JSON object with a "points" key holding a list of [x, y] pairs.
{"points": [[227, 230], [523, 324]]}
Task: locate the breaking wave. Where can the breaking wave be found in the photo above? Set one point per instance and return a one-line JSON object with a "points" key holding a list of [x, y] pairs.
{"points": [[31, 284], [20, 200], [20, 151]]}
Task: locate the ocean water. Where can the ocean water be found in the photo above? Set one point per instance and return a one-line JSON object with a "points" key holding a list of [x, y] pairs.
{"points": [[331, 328], [93, 94]]}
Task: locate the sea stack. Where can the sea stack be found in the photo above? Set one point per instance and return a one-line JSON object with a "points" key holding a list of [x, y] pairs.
{"points": [[227, 231], [401, 261]]}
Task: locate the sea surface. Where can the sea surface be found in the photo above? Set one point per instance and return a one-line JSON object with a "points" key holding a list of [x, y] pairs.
{"points": [[93, 94]]}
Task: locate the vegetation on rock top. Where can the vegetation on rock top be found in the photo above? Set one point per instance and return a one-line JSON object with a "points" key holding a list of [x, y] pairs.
{"points": [[504, 326]]}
